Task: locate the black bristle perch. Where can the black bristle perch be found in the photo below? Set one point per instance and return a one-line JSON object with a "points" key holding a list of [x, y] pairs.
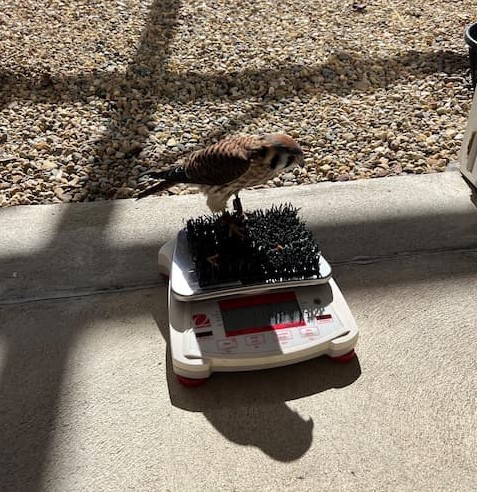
{"points": [[276, 247]]}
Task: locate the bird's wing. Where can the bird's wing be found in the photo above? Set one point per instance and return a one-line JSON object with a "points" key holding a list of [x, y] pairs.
{"points": [[223, 162]]}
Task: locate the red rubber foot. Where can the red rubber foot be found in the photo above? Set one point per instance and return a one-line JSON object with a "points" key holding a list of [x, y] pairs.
{"points": [[190, 382], [345, 357]]}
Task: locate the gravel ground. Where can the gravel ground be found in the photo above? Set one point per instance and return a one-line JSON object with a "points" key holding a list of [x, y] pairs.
{"points": [[92, 93]]}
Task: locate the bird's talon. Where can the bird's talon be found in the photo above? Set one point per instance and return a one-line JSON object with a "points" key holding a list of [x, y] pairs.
{"points": [[237, 204], [230, 221], [243, 216]]}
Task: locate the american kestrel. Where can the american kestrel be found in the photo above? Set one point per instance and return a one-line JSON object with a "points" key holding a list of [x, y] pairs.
{"points": [[226, 167]]}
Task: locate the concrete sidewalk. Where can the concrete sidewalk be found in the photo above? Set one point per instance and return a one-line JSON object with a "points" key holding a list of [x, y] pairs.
{"points": [[88, 400]]}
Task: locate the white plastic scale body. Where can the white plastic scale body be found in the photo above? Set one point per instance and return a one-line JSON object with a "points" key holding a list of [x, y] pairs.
{"points": [[242, 328]]}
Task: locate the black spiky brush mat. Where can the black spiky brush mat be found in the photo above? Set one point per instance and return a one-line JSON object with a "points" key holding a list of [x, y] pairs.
{"points": [[275, 246]]}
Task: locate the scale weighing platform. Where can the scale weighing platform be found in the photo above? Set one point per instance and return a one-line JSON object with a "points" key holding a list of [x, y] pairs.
{"points": [[235, 327]]}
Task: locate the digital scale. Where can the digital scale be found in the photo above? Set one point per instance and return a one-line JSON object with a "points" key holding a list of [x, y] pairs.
{"points": [[235, 327]]}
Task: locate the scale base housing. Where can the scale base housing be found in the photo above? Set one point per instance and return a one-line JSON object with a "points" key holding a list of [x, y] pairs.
{"points": [[191, 367]]}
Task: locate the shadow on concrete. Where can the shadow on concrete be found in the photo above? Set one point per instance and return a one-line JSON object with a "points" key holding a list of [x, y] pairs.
{"points": [[95, 264], [36, 360], [30, 389], [250, 408]]}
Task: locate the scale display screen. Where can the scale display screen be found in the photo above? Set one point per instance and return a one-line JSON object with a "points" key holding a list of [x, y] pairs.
{"points": [[265, 312]]}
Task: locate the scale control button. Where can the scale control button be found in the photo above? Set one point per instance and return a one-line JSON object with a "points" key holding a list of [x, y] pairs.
{"points": [[284, 335], [254, 339], [309, 331], [227, 344]]}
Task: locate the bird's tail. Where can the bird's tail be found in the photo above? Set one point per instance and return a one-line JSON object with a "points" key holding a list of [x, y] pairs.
{"points": [[152, 190], [169, 176]]}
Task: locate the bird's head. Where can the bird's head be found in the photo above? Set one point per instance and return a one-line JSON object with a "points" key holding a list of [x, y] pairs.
{"points": [[283, 151]]}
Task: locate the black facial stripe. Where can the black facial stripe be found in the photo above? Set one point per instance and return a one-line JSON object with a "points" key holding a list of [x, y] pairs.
{"points": [[274, 161]]}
